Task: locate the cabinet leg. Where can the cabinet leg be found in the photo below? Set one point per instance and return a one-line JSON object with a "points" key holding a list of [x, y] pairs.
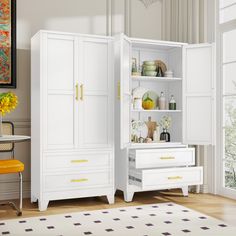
{"points": [[128, 196], [111, 199], [33, 199], [185, 191], [43, 205]]}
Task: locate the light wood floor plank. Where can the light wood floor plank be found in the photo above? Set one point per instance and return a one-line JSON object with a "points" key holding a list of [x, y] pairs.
{"points": [[215, 206]]}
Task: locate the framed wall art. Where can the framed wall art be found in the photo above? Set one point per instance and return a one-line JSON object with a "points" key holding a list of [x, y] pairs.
{"points": [[8, 44]]}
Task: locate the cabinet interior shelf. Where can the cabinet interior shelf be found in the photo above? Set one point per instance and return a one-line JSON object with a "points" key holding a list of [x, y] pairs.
{"points": [[157, 79], [161, 111]]}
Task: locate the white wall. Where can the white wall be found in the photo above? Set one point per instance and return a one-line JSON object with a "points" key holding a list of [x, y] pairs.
{"points": [[145, 22], [83, 16]]}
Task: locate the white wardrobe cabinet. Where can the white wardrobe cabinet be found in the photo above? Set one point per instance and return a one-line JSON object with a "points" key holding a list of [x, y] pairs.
{"points": [[153, 166], [72, 152]]}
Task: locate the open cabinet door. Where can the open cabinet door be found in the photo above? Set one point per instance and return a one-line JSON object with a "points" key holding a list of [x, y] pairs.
{"points": [[123, 53], [198, 94]]}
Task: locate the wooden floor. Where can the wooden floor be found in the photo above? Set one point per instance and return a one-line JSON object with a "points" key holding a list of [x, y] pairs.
{"points": [[216, 206]]}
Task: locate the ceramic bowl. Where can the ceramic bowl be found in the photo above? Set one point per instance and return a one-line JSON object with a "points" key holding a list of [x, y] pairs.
{"points": [[152, 68], [149, 63], [150, 73]]}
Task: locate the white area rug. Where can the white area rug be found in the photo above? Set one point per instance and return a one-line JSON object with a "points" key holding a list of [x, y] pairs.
{"points": [[146, 220]]}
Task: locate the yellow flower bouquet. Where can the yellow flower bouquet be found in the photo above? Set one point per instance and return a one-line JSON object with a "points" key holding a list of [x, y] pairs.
{"points": [[8, 102]]}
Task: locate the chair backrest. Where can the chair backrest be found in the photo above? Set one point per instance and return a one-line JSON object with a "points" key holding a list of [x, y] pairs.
{"points": [[7, 129]]}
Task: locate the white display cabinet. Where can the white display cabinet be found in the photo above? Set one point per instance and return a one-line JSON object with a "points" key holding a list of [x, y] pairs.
{"points": [[171, 164]]}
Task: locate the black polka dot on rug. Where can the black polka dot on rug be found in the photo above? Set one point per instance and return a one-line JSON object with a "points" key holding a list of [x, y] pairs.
{"points": [[166, 233], [149, 224], [97, 221], [87, 233], [129, 227], [222, 225], [50, 227], [204, 228]]}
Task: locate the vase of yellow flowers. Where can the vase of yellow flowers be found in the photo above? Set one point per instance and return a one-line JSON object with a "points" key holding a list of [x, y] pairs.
{"points": [[8, 102]]}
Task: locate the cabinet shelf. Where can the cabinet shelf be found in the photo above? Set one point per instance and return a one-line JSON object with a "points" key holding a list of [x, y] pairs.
{"points": [[160, 111], [157, 79]]}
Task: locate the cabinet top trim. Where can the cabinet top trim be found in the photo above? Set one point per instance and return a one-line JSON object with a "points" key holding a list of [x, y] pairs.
{"points": [[73, 34], [168, 44]]}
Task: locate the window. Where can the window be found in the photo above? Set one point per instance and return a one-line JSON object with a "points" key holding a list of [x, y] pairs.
{"points": [[226, 45], [227, 10]]}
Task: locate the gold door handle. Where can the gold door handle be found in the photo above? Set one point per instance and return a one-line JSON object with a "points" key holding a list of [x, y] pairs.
{"points": [[78, 180], [81, 92], [167, 158], [77, 92], [118, 90], [175, 177], [78, 161]]}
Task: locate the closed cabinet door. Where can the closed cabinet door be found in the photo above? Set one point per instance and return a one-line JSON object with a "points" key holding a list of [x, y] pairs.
{"points": [[198, 94], [60, 73], [95, 93]]}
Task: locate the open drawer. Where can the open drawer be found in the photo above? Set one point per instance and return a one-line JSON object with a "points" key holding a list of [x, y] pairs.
{"points": [[166, 178], [151, 158]]}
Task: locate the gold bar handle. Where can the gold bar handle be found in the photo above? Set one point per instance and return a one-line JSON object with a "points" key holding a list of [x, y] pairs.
{"points": [[118, 90], [175, 177], [81, 92], [167, 158], [77, 92], [78, 180], [78, 161]]}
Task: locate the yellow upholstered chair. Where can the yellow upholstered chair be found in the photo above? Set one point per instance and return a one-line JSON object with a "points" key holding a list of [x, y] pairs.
{"points": [[10, 165]]}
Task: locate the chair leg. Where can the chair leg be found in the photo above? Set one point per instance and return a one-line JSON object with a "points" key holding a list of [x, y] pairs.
{"points": [[20, 195], [12, 204]]}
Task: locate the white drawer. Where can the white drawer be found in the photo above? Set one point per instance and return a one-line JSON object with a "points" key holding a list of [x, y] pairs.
{"points": [[166, 178], [151, 158], [79, 161], [74, 181]]}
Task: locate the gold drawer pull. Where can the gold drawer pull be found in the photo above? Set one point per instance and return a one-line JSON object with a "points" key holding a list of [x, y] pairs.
{"points": [[167, 158], [175, 177], [78, 180], [81, 92], [118, 90], [78, 161], [77, 92]]}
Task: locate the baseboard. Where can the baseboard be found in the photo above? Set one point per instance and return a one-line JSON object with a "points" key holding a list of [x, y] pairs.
{"points": [[10, 191]]}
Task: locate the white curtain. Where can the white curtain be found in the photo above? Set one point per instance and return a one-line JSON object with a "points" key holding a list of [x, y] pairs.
{"points": [[192, 21], [185, 20]]}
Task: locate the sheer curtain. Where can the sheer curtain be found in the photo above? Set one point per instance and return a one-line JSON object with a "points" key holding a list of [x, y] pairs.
{"points": [[192, 21], [185, 20]]}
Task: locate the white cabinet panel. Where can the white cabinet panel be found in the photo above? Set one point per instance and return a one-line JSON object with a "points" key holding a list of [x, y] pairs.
{"points": [[60, 121], [95, 104], [198, 95], [198, 70], [60, 66], [95, 62], [95, 120], [198, 120]]}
